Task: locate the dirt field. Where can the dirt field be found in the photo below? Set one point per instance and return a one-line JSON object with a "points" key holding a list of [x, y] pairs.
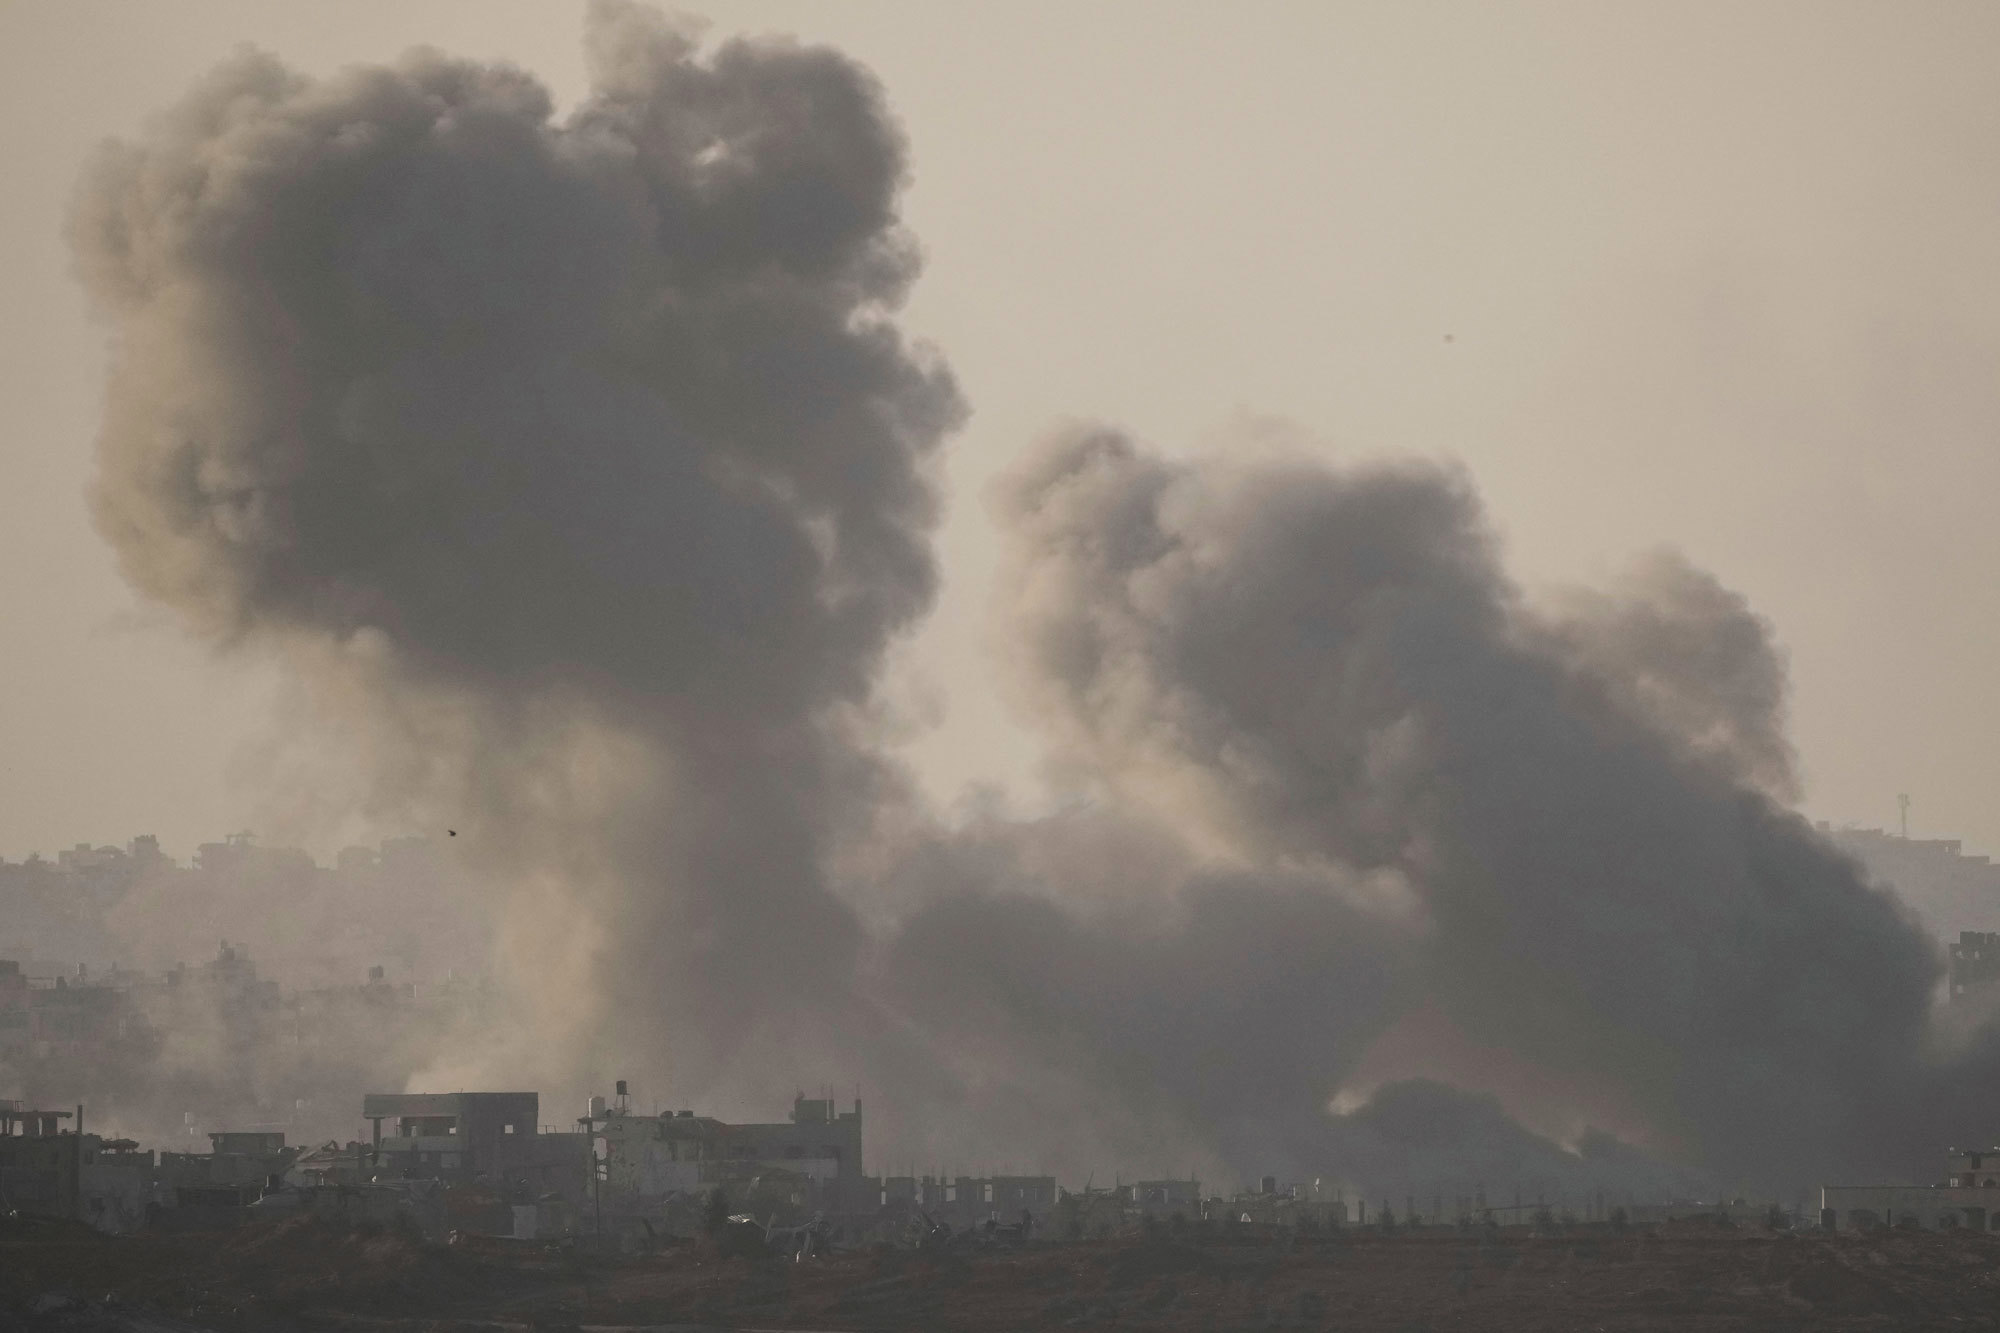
{"points": [[304, 1275]]}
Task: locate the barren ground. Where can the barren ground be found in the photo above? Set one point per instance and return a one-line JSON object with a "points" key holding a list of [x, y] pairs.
{"points": [[300, 1274]]}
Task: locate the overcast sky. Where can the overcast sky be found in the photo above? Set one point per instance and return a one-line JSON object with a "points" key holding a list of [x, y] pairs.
{"points": [[1720, 277]]}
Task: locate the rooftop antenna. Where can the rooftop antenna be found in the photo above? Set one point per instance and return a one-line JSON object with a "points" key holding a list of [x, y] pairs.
{"points": [[1903, 805]]}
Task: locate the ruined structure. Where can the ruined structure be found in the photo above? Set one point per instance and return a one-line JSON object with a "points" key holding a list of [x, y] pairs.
{"points": [[236, 1170], [40, 1162], [47, 1170], [660, 1165], [465, 1138]]}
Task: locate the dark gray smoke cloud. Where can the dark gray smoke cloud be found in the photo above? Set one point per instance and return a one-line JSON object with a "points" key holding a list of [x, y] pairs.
{"points": [[577, 462], [579, 469], [1083, 972], [1329, 669], [1689, 655]]}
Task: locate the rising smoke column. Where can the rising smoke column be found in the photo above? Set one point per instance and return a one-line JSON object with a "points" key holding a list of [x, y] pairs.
{"points": [[576, 465], [1327, 671], [577, 469]]}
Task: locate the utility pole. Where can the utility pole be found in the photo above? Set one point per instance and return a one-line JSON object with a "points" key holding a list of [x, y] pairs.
{"points": [[1903, 805]]}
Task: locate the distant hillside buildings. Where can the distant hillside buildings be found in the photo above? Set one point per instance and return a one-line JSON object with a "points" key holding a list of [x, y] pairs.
{"points": [[217, 1043], [407, 905]]}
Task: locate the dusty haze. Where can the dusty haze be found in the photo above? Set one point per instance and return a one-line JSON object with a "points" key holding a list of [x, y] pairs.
{"points": [[574, 468]]}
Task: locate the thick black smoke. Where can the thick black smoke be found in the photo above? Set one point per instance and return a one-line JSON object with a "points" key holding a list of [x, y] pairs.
{"points": [[578, 469]]}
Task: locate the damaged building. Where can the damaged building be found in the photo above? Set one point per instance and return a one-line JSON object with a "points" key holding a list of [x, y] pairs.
{"points": [[660, 1172], [490, 1139], [47, 1170], [40, 1162], [661, 1166]]}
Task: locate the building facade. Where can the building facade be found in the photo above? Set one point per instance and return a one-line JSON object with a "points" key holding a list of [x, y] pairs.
{"points": [[1969, 1198], [489, 1138], [660, 1164]]}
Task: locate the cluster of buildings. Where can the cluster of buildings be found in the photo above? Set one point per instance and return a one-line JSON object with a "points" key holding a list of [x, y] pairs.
{"points": [[482, 1163], [47, 1017], [80, 1017], [408, 902], [50, 1166], [632, 1176], [216, 1043]]}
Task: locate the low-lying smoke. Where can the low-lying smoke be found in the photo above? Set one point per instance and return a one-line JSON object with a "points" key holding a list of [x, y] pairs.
{"points": [[578, 468]]}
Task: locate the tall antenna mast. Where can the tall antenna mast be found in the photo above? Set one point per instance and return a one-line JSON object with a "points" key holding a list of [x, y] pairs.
{"points": [[1903, 804]]}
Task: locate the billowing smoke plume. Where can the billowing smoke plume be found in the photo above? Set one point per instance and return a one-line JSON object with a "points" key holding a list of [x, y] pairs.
{"points": [[577, 464], [578, 469], [1328, 672], [1689, 656]]}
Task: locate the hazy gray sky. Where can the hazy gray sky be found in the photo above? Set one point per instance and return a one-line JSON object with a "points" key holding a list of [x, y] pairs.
{"points": [[1719, 277]]}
